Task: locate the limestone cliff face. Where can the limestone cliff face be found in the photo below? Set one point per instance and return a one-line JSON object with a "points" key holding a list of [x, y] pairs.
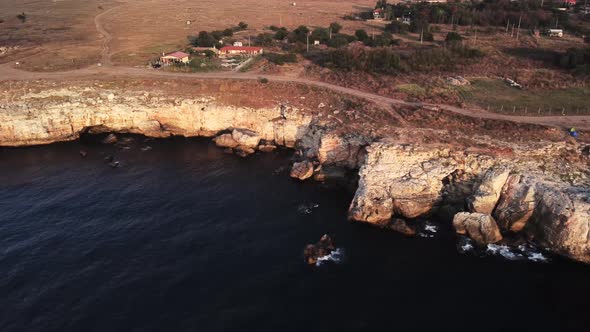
{"points": [[61, 115], [534, 190]]}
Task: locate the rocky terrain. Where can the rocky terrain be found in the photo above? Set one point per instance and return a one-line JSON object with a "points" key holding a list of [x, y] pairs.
{"points": [[491, 179]]}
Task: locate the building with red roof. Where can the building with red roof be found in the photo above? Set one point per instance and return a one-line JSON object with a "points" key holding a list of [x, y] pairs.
{"points": [[175, 57]]}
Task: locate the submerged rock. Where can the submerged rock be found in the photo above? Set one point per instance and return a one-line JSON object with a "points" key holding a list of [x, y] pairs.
{"points": [[244, 151], [110, 139], [83, 153], [302, 170], [480, 227], [323, 247], [267, 147], [401, 226]]}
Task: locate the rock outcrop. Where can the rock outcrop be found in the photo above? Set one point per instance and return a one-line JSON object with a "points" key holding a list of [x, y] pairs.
{"points": [[302, 170], [322, 248], [56, 115], [406, 181], [561, 221], [516, 204], [480, 227], [486, 194]]}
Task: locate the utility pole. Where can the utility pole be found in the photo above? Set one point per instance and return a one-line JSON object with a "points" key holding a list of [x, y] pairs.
{"points": [[307, 37], [518, 30], [507, 25], [422, 35]]}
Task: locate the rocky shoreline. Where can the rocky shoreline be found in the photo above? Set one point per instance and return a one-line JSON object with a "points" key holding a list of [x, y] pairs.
{"points": [[538, 191]]}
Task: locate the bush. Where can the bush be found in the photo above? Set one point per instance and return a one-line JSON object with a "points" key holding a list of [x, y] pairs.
{"points": [[22, 17], [299, 35], [263, 80], [335, 27], [243, 25], [264, 39], [273, 28], [281, 59], [228, 32], [361, 35], [453, 37], [339, 40], [281, 34], [467, 52], [321, 34], [397, 27], [427, 36]]}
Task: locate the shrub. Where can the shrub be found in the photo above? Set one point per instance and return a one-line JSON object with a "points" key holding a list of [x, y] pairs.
{"points": [[397, 27], [243, 25], [453, 37], [22, 17], [427, 36], [228, 32], [281, 59], [321, 34], [335, 27], [298, 35], [281, 34], [263, 80], [361, 35], [273, 28], [339, 40], [264, 39]]}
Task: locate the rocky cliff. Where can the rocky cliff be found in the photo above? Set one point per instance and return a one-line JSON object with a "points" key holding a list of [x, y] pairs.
{"points": [[499, 180]]}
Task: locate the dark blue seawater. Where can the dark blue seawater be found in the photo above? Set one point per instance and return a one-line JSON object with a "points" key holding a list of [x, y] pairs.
{"points": [[186, 238]]}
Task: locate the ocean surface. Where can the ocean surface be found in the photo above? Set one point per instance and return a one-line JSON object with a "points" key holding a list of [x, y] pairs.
{"points": [[182, 237]]}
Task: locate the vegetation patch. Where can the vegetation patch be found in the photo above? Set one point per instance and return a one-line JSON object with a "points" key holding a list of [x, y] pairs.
{"points": [[497, 96]]}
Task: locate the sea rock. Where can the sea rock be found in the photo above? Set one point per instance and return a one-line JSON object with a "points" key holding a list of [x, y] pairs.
{"points": [[110, 139], [516, 204], [322, 248], [488, 191], [267, 147], [405, 180], [401, 226], [246, 138], [302, 170], [561, 221], [482, 228], [225, 141], [244, 151]]}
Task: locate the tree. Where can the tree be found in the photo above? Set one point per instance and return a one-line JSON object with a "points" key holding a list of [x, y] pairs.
{"points": [[243, 25], [453, 37], [281, 34], [335, 27], [321, 34], [361, 35], [204, 39], [338, 40], [228, 32], [299, 34], [264, 39], [22, 17], [397, 27]]}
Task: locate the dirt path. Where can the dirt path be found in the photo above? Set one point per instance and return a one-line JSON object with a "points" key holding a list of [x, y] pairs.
{"points": [[105, 52], [8, 73]]}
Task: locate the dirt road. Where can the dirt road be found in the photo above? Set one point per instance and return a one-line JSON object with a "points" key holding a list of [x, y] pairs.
{"points": [[8, 73]]}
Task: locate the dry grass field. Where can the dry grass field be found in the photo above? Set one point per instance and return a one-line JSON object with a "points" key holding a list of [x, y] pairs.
{"points": [[62, 34]]}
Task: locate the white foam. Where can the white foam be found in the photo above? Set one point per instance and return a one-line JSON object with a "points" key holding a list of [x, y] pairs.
{"points": [[431, 228], [537, 257], [467, 247], [307, 208], [503, 250], [336, 256]]}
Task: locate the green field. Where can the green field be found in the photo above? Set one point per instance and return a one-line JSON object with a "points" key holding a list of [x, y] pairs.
{"points": [[497, 96]]}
